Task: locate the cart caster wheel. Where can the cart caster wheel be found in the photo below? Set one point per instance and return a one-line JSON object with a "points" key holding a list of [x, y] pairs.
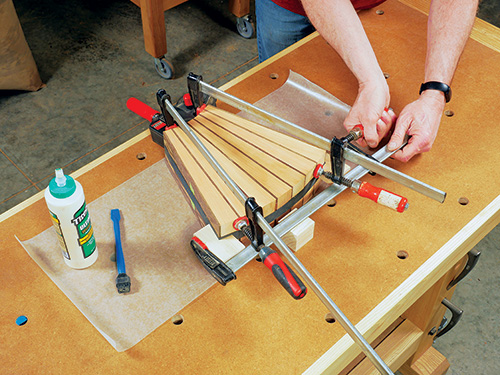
{"points": [[164, 68], [245, 26]]}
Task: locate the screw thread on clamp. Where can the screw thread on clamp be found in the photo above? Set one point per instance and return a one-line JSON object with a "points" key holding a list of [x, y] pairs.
{"points": [[342, 180], [247, 231]]}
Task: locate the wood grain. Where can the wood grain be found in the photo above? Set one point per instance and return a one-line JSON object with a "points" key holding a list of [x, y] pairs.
{"points": [[267, 165]]}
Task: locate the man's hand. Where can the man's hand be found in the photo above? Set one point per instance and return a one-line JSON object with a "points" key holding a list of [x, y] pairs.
{"points": [[421, 120], [370, 110]]}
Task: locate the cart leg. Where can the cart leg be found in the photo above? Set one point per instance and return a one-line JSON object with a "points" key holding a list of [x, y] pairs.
{"points": [[153, 26], [239, 8]]}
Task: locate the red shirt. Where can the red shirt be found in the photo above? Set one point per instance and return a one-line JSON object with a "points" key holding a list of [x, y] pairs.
{"points": [[295, 6]]}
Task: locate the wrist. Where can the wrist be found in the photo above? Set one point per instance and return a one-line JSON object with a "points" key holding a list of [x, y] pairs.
{"points": [[436, 97], [376, 83]]}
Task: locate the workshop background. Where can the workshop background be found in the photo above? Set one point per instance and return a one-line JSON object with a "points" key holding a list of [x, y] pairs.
{"points": [[90, 54]]}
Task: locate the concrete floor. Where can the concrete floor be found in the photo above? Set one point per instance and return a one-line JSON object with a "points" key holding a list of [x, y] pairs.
{"points": [[90, 54]]}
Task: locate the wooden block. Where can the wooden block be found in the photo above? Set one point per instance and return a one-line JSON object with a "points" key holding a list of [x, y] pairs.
{"points": [[300, 234], [431, 362], [265, 164], [224, 248]]}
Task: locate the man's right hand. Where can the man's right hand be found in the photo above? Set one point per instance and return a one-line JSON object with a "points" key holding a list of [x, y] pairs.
{"points": [[370, 111]]}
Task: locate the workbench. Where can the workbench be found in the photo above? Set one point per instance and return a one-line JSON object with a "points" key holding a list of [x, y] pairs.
{"points": [[388, 272]]}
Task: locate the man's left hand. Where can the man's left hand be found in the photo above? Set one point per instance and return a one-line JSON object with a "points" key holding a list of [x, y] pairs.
{"points": [[421, 120]]}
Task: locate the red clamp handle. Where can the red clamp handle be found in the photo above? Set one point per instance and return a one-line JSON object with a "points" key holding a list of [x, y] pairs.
{"points": [[142, 109], [284, 274], [383, 197]]}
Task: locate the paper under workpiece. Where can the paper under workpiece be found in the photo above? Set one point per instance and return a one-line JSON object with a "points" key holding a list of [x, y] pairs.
{"points": [[165, 274]]}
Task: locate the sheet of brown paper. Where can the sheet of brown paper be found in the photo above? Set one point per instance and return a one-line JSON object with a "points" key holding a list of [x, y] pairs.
{"points": [[157, 225]]}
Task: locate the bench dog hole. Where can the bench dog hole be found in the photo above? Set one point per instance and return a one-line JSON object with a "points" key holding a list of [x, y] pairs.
{"points": [[141, 156], [274, 76], [332, 203], [463, 201], [402, 254], [329, 318], [177, 319]]}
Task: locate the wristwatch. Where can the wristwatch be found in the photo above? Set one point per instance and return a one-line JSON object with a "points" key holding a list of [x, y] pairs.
{"points": [[440, 86]]}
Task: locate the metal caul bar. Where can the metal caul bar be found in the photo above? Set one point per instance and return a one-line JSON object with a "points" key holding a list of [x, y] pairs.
{"points": [[289, 255]]}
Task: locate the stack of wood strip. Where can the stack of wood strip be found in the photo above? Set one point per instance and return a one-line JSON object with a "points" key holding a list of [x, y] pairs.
{"points": [[270, 166]]}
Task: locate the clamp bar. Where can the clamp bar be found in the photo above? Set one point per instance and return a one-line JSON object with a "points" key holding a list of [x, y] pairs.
{"points": [[395, 175], [287, 126], [324, 297]]}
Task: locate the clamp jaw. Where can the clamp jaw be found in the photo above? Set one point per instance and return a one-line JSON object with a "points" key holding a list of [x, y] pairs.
{"points": [[363, 189], [281, 271]]}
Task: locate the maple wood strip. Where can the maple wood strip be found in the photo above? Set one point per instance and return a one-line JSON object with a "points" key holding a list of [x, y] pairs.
{"points": [[300, 147], [254, 142], [279, 188], [250, 186], [294, 179], [172, 145], [205, 190], [293, 159], [203, 163]]}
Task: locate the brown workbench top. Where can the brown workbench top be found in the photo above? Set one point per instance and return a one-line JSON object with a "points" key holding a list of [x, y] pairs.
{"points": [[251, 325]]}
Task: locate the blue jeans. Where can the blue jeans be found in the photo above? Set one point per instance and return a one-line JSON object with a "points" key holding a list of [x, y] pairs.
{"points": [[278, 28]]}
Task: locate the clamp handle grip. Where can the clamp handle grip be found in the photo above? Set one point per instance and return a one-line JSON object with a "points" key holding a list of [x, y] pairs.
{"points": [[141, 109], [383, 197], [284, 274]]}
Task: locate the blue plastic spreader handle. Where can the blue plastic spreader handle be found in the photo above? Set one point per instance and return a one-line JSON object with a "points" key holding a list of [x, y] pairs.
{"points": [[120, 261]]}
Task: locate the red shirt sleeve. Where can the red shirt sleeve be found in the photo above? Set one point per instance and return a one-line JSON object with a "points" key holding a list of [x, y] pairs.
{"points": [[295, 6]]}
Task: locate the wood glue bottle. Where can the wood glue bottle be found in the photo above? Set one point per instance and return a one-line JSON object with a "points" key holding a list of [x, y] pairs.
{"points": [[66, 203]]}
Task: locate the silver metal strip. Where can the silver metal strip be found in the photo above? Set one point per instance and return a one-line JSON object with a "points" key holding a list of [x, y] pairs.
{"points": [[395, 175], [287, 126]]}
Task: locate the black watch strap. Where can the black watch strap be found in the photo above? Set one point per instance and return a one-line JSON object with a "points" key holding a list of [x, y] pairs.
{"points": [[434, 85]]}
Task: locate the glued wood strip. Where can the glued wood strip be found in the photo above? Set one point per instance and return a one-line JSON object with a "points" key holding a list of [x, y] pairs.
{"points": [[248, 185], [204, 189], [292, 177], [283, 151]]}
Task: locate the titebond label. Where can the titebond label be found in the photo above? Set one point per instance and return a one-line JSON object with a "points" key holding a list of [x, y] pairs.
{"points": [[85, 231], [60, 236]]}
